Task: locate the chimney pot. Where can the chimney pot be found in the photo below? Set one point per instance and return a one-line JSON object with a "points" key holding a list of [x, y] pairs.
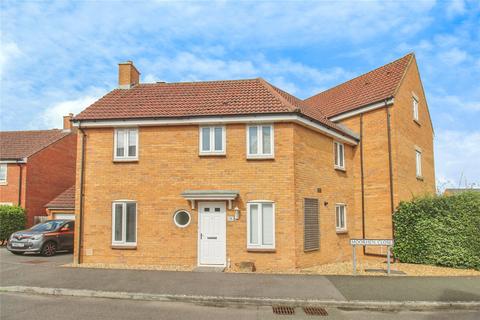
{"points": [[128, 75]]}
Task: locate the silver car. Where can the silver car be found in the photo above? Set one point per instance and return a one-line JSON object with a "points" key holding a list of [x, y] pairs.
{"points": [[46, 238]]}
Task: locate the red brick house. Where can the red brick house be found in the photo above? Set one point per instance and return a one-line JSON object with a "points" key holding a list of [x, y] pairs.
{"points": [[36, 166], [62, 206]]}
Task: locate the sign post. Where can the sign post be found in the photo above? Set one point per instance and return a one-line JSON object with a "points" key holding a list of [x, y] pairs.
{"points": [[370, 242]]}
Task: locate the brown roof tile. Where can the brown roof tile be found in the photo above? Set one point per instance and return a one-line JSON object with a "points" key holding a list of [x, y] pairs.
{"points": [[207, 98], [22, 144], [65, 200], [371, 87]]}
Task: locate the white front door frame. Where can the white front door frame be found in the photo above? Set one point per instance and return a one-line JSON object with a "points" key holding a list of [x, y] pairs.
{"points": [[223, 219]]}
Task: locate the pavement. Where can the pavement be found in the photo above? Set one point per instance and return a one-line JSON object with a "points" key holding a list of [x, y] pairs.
{"points": [[42, 272]]}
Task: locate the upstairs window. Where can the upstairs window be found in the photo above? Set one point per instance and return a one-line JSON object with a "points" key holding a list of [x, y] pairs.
{"points": [[339, 151], [261, 225], [341, 217], [3, 173], [124, 223], [260, 141], [415, 108], [418, 163], [126, 144], [212, 140]]}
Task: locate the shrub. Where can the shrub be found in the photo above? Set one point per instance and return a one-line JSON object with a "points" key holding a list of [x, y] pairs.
{"points": [[12, 218], [440, 230]]}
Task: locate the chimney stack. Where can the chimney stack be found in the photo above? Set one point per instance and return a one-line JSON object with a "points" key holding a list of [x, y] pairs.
{"points": [[128, 75], [67, 122]]}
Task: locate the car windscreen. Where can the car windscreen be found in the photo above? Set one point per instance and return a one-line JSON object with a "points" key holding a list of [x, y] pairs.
{"points": [[46, 226]]}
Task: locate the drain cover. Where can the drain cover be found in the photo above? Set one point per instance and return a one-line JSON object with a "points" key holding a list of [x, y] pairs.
{"points": [[283, 310], [315, 311]]}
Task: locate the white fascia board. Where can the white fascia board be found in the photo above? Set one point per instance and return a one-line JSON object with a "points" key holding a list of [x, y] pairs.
{"points": [[24, 160], [370, 107], [217, 120]]}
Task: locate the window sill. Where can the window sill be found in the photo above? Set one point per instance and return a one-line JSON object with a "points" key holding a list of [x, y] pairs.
{"points": [[123, 247], [125, 160], [342, 231], [260, 157], [420, 178], [212, 154], [417, 122], [340, 169], [267, 250], [3, 183]]}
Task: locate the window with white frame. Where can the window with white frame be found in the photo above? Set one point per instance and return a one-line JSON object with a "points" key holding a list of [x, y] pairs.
{"points": [[261, 225], [3, 173], [341, 217], [212, 140], [339, 151], [124, 223], [260, 141], [418, 162], [415, 108], [126, 144]]}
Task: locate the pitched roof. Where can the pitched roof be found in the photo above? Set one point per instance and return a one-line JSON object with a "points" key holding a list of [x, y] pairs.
{"points": [[65, 200], [371, 87], [206, 98], [22, 144]]}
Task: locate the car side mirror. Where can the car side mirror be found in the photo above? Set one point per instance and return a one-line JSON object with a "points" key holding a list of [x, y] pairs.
{"points": [[65, 229]]}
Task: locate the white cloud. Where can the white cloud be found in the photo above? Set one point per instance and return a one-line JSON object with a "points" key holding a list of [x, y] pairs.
{"points": [[8, 52], [52, 116], [455, 8], [453, 56], [456, 158]]}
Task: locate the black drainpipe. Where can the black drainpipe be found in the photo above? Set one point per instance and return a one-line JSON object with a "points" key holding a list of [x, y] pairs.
{"points": [[20, 184], [82, 170], [362, 180], [390, 165]]}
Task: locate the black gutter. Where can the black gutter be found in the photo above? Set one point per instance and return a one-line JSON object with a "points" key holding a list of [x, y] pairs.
{"points": [[82, 174], [20, 180]]}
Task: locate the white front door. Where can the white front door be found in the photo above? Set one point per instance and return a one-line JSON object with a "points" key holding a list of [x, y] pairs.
{"points": [[212, 234]]}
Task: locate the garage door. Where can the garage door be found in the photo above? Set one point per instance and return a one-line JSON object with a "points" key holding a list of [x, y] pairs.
{"points": [[66, 216]]}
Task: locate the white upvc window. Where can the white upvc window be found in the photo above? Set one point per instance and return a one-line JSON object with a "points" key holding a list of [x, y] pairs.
{"points": [[415, 108], [126, 144], [260, 141], [124, 223], [418, 163], [339, 151], [341, 217], [212, 140], [3, 173], [261, 225]]}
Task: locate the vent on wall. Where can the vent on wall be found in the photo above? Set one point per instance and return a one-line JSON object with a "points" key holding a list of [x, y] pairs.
{"points": [[311, 225]]}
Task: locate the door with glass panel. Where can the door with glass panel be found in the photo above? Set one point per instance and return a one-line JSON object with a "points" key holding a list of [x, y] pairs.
{"points": [[212, 234]]}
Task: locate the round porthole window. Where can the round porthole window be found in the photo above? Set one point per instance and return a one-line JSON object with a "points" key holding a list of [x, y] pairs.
{"points": [[181, 218]]}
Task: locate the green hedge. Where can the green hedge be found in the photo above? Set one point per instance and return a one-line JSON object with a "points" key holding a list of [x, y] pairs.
{"points": [[440, 230], [12, 218]]}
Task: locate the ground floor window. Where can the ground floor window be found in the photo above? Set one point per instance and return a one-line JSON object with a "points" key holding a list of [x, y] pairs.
{"points": [[124, 223], [341, 217], [261, 225]]}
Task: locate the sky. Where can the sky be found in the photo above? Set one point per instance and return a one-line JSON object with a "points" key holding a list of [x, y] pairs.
{"points": [[58, 57]]}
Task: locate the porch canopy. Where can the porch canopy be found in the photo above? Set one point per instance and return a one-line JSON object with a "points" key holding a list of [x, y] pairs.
{"points": [[224, 195]]}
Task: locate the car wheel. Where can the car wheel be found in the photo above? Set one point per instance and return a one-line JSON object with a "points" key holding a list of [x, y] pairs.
{"points": [[49, 249], [17, 253]]}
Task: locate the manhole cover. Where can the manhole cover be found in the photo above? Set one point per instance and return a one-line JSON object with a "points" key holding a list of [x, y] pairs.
{"points": [[36, 261], [315, 311], [283, 310]]}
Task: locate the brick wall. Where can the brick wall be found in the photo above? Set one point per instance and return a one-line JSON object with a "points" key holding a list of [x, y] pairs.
{"points": [[169, 164], [9, 191], [50, 172], [314, 168]]}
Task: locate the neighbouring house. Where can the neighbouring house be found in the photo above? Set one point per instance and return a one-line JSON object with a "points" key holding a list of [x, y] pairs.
{"points": [[35, 166], [451, 191], [62, 206], [225, 173]]}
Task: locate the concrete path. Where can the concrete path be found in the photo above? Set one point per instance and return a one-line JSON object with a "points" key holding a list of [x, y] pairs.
{"points": [[36, 271]]}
